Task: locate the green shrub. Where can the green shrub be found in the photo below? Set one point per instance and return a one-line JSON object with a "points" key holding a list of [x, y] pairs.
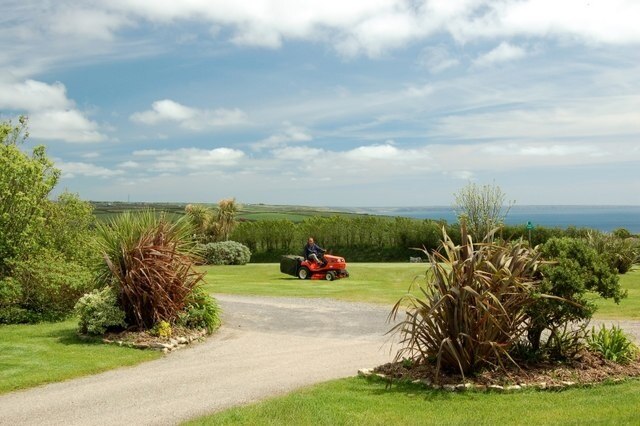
{"points": [[226, 253], [201, 311], [98, 311], [619, 253], [613, 344], [162, 330], [46, 285], [572, 269], [471, 309], [25, 183]]}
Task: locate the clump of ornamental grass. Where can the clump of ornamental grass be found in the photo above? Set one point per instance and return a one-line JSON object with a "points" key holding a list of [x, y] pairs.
{"points": [[149, 261], [470, 309]]}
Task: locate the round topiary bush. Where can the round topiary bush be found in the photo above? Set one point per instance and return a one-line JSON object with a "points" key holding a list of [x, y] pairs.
{"points": [[226, 253]]}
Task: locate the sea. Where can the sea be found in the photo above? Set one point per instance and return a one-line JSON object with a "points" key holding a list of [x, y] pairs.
{"points": [[603, 218]]}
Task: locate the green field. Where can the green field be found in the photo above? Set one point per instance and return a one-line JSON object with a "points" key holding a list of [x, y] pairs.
{"points": [[381, 283], [106, 210], [32, 355], [368, 282], [357, 401]]}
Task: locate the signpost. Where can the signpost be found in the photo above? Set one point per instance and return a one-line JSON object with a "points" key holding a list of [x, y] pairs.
{"points": [[529, 228]]}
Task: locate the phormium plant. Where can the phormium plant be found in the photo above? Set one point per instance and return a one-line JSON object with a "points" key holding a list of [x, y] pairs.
{"points": [[149, 260], [471, 309]]}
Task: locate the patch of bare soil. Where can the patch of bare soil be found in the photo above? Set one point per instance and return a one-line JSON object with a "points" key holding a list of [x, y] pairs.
{"points": [[586, 368]]}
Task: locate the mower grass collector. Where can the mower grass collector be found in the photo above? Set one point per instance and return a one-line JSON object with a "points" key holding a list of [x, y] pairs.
{"points": [[334, 267]]}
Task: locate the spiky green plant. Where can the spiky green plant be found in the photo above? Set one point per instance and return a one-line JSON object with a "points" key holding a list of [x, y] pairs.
{"points": [[613, 344], [471, 308], [149, 261]]}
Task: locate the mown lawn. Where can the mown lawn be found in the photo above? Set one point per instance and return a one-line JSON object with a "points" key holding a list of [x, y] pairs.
{"points": [[381, 283], [628, 308], [32, 355], [368, 282], [357, 401]]}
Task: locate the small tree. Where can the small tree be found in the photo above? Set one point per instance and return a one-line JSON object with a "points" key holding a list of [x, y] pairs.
{"points": [[25, 184], [572, 270], [213, 225], [482, 208], [226, 217]]}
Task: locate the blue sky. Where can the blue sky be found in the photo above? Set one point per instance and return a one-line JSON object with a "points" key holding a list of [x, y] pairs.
{"points": [[356, 103]]}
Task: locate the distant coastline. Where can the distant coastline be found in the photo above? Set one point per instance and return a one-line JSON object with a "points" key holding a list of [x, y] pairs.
{"points": [[603, 218]]}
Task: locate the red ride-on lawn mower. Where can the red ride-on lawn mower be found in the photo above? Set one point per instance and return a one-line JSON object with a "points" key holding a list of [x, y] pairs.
{"points": [[334, 267]]}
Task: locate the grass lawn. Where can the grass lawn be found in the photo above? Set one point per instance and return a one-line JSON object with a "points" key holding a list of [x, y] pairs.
{"points": [[628, 308], [381, 283], [361, 402], [368, 282], [32, 355]]}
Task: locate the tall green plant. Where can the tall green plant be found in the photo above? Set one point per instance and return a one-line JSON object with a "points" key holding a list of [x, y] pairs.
{"points": [[149, 261], [471, 309]]}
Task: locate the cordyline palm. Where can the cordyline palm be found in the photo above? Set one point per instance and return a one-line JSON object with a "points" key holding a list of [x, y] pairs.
{"points": [[149, 261], [472, 307], [226, 217]]}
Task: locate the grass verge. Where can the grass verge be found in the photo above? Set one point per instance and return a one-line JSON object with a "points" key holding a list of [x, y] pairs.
{"points": [[357, 401], [32, 355]]}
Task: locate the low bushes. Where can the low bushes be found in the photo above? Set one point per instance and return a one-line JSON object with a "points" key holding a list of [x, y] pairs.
{"points": [[43, 287], [613, 344], [98, 311], [201, 311], [225, 253]]}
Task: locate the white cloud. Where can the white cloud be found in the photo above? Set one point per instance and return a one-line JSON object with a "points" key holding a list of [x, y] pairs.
{"points": [[374, 152], [437, 59], [188, 117], [68, 126], [189, 158], [129, 165], [75, 169], [504, 52], [299, 153], [87, 23], [32, 95], [544, 150], [376, 26], [291, 133], [52, 115]]}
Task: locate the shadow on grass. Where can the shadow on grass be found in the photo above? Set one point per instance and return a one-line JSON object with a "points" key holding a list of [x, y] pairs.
{"points": [[71, 337], [406, 388]]}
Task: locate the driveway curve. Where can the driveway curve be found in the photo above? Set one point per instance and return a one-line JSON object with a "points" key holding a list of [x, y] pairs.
{"points": [[266, 347]]}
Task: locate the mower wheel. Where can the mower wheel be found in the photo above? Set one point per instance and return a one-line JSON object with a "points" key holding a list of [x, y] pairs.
{"points": [[330, 276], [304, 273]]}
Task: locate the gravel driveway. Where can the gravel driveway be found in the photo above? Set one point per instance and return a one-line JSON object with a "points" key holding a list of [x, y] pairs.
{"points": [[266, 347]]}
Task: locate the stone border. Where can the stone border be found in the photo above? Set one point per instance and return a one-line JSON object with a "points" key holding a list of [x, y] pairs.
{"points": [[461, 387], [170, 345]]}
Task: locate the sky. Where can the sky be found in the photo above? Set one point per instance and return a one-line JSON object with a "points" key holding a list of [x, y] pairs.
{"points": [[327, 103]]}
